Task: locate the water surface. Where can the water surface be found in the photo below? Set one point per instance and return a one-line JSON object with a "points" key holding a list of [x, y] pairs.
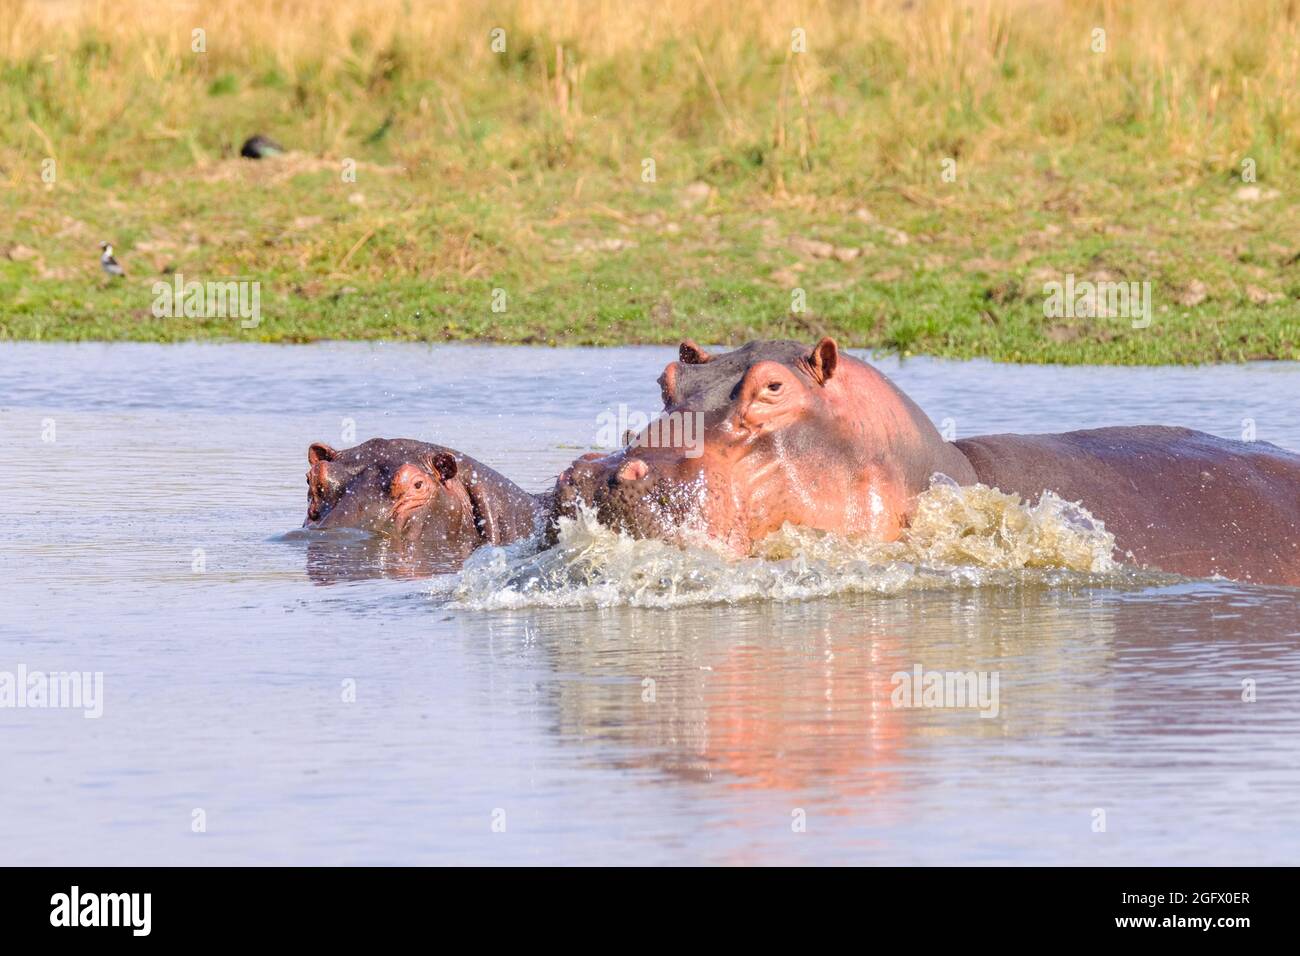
{"points": [[149, 489]]}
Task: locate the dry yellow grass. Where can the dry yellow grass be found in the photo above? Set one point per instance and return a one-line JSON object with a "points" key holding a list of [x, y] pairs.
{"points": [[1210, 78]]}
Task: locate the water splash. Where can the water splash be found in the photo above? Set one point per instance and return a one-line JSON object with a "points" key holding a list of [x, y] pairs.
{"points": [[960, 537]]}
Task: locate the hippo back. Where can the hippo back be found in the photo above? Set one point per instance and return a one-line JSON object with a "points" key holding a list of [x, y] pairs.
{"points": [[1175, 499]]}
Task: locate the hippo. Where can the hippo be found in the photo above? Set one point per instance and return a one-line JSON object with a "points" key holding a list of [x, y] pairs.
{"points": [[431, 499], [815, 437]]}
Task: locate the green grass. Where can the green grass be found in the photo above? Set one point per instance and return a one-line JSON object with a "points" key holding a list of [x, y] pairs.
{"points": [[470, 178]]}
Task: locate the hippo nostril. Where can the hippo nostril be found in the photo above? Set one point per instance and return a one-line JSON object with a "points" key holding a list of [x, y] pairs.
{"points": [[634, 469]]}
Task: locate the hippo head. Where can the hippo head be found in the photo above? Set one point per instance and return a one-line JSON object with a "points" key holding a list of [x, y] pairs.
{"points": [[785, 433], [408, 490], [704, 382]]}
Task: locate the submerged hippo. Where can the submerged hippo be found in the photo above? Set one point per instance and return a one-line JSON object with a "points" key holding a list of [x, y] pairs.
{"points": [[429, 498], [818, 438]]}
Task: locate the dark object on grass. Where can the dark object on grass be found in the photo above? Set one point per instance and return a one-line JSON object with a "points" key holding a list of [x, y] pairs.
{"points": [[259, 147], [381, 131]]}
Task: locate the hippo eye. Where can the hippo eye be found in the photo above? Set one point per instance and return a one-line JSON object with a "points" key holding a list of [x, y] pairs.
{"points": [[774, 387], [419, 484]]}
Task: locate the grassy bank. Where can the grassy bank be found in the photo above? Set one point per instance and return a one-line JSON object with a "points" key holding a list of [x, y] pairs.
{"points": [[912, 181]]}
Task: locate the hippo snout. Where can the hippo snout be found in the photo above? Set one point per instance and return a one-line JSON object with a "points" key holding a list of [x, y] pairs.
{"points": [[582, 483], [627, 493]]}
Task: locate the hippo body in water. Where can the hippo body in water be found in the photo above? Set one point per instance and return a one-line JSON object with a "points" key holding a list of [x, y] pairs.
{"points": [[821, 439], [1175, 499], [431, 499], [811, 438]]}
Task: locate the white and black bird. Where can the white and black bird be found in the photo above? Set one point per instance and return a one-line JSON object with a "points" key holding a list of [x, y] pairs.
{"points": [[260, 147], [108, 263]]}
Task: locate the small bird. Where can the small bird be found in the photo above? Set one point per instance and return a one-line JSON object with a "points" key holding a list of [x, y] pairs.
{"points": [[260, 147], [108, 263]]}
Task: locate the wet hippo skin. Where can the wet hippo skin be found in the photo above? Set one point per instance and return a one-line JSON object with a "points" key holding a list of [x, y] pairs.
{"points": [[1175, 499], [789, 434], [818, 438], [422, 495]]}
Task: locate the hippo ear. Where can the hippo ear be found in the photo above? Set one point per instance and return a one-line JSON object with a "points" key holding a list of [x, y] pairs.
{"points": [[443, 464], [692, 354], [825, 356], [319, 451], [668, 385]]}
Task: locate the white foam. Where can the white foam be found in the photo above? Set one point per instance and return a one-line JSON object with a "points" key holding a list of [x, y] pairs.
{"points": [[959, 537]]}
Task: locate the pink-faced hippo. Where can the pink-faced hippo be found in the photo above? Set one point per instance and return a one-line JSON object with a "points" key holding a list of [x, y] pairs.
{"points": [[818, 438], [428, 498]]}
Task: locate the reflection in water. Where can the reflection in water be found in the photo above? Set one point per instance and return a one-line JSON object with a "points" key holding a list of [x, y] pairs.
{"points": [[1099, 690], [345, 554], [755, 714], [799, 699]]}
